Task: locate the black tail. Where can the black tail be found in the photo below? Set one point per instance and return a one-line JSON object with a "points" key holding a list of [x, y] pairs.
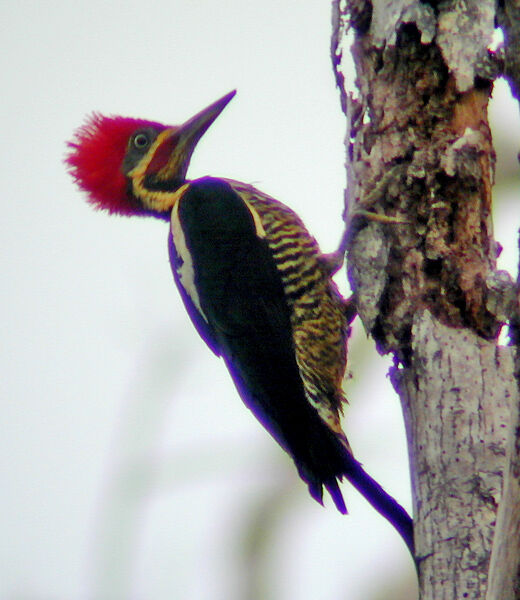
{"points": [[385, 504], [334, 462]]}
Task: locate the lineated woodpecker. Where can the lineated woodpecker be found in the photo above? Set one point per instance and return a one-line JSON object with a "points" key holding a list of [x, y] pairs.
{"points": [[254, 283]]}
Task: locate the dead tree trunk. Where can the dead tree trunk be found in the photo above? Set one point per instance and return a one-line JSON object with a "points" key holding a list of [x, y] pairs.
{"points": [[421, 261]]}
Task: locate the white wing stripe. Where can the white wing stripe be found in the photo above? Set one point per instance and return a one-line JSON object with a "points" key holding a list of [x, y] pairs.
{"points": [[185, 272]]}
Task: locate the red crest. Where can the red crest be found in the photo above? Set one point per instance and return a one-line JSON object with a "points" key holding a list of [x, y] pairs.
{"points": [[96, 157]]}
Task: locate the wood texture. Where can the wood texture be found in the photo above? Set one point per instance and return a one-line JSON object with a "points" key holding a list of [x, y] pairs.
{"points": [[421, 260], [456, 398]]}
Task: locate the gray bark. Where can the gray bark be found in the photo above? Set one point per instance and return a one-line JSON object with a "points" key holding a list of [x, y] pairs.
{"points": [[504, 570], [456, 395], [421, 260]]}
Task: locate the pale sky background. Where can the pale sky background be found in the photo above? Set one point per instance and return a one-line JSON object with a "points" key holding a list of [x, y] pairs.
{"points": [[129, 467]]}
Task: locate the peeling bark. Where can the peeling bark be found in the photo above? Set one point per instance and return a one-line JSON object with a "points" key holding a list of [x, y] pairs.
{"points": [[421, 260]]}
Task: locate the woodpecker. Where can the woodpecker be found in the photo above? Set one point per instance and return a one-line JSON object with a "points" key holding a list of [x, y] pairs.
{"points": [[254, 283]]}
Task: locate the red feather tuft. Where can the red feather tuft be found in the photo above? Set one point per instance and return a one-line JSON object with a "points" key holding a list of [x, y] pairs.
{"points": [[96, 157]]}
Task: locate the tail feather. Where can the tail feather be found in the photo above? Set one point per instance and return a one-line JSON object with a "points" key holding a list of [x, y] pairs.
{"points": [[373, 492], [336, 495], [316, 483], [315, 487], [385, 504], [327, 473]]}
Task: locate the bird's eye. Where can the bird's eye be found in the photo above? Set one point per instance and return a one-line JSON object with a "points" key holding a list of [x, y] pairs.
{"points": [[141, 141]]}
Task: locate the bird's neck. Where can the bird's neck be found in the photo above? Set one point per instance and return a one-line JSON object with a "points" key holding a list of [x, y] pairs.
{"points": [[158, 201]]}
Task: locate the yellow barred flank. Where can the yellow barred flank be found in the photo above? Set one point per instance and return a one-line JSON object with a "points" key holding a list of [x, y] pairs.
{"points": [[294, 249], [318, 317]]}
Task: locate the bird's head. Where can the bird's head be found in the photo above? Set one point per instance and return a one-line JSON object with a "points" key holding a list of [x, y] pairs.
{"points": [[131, 166]]}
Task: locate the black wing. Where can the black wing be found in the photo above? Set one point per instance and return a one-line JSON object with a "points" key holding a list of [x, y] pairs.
{"points": [[241, 311], [234, 295]]}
